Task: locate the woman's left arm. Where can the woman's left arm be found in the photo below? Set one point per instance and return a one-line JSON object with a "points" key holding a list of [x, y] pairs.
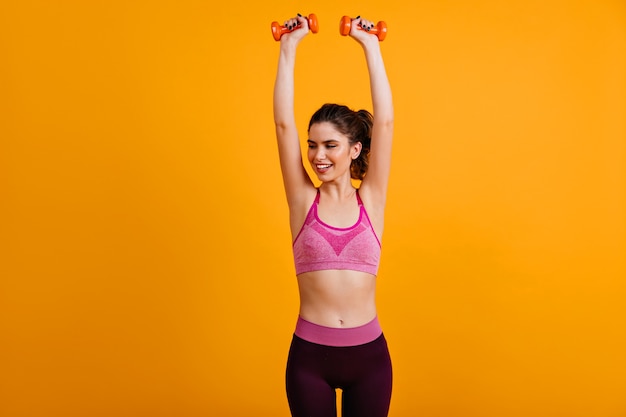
{"points": [[374, 185]]}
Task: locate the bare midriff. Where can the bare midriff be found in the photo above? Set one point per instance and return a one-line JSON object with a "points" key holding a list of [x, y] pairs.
{"points": [[337, 298]]}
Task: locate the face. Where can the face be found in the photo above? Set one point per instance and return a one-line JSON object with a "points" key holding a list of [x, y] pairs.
{"points": [[330, 152]]}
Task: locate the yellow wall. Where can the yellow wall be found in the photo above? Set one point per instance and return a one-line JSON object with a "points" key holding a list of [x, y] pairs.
{"points": [[145, 256]]}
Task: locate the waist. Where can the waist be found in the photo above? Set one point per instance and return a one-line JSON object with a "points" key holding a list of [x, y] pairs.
{"points": [[338, 336], [337, 298]]}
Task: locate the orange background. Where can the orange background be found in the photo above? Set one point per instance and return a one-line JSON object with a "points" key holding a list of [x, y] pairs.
{"points": [[145, 251]]}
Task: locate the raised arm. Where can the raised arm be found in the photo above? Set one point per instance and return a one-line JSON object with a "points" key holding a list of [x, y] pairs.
{"points": [[374, 186], [295, 178]]}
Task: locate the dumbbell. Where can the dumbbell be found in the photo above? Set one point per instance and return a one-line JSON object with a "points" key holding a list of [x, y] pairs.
{"points": [[380, 30], [278, 30]]}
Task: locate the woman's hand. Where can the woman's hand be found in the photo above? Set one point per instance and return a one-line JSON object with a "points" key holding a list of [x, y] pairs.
{"points": [[360, 31], [299, 28]]}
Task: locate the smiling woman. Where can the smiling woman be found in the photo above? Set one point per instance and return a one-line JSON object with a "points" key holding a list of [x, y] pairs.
{"points": [[338, 342], [145, 267], [330, 125]]}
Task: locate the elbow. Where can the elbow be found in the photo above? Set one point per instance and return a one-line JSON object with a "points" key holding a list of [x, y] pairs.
{"points": [[281, 126], [385, 122], [384, 118], [279, 123]]}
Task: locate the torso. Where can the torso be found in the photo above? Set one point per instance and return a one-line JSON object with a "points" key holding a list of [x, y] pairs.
{"points": [[338, 298]]}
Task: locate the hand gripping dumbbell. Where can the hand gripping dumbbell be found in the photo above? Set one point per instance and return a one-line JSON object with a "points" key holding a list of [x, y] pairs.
{"points": [[380, 30], [278, 30]]}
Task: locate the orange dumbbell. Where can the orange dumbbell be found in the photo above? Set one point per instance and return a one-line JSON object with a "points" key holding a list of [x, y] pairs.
{"points": [[278, 30], [380, 30]]}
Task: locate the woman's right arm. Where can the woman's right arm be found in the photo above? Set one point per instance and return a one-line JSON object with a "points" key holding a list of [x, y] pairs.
{"points": [[295, 178]]}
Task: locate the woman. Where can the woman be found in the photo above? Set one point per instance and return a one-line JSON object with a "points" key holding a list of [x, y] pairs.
{"points": [[336, 229]]}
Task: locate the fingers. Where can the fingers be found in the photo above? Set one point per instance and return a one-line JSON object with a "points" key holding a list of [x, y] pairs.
{"points": [[358, 28], [364, 24], [296, 21]]}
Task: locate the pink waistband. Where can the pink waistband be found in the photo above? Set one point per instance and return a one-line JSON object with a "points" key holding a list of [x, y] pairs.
{"points": [[332, 336]]}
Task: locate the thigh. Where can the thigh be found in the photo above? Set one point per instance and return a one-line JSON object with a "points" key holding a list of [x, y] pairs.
{"points": [[308, 392], [370, 394]]}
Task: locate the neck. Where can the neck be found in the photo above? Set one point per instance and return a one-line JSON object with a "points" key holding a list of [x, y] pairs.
{"points": [[338, 191]]}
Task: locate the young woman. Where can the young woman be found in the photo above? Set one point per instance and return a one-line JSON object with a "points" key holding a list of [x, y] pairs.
{"points": [[336, 231]]}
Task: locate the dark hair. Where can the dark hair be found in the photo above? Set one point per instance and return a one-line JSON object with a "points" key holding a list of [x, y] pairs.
{"points": [[356, 125]]}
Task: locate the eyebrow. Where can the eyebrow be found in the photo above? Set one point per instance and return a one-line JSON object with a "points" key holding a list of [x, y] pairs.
{"points": [[324, 141]]}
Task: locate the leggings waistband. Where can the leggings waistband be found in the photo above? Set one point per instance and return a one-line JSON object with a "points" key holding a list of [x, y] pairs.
{"points": [[333, 336]]}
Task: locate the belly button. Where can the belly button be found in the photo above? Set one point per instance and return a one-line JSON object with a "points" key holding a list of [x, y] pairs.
{"points": [[341, 322]]}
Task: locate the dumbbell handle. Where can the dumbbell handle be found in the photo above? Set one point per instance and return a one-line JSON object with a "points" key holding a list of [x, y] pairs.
{"points": [[278, 31], [380, 30]]}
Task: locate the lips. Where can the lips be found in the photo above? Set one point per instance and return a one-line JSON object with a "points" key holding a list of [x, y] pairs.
{"points": [[323, 167]]}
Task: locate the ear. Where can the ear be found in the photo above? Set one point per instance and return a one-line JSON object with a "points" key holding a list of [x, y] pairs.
{"points": [[356, 150]]}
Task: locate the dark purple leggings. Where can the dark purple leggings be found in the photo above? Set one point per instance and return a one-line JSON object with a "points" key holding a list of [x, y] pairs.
{"points": [[362, 372]]}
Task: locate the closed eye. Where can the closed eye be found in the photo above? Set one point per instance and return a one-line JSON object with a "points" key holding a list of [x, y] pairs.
{"points": [[328, 144]]}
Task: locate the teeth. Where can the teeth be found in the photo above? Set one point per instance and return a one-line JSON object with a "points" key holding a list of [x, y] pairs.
{"points": [[323, 166]]}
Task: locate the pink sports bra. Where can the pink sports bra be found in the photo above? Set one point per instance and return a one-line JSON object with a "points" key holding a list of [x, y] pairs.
{"points": [[319, 246]]}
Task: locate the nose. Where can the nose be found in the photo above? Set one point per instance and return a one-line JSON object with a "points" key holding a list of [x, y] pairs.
{"points": [[319, 154]]}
